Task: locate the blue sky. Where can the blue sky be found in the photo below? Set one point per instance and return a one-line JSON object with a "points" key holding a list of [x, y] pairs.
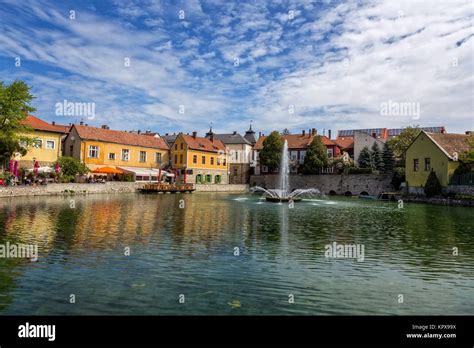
{"points": [[283, 64]]}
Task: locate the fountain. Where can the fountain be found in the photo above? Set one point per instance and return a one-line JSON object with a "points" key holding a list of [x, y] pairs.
{"points": [[283, 194]]}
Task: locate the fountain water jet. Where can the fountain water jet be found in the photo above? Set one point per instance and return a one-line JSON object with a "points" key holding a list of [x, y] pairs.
{"points": [[282, 194]]}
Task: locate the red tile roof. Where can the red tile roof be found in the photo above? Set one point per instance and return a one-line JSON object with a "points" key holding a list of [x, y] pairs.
{"points": [[119, 137], [203, 144], [297, 141], [345, 143], [450, 143], [38, 124]]}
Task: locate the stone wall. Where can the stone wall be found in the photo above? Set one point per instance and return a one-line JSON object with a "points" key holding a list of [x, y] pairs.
{"points": [[460, 189], [221, 188], [57, 189], [330, 184]]}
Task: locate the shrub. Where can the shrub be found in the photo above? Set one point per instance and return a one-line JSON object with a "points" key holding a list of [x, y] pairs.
{"points": [[432, 186], [398, 177]]}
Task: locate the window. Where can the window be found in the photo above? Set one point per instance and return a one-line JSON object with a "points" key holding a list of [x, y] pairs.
{"points": [[158, 157], [125, 154], [217, 179], [330, 152], [264, 169], [175, 159], [415, 165], [181, 160], [195, 159], [93, 151], [208, 178], [223, 163], [236, 156], [142, 157], [203, 159], [182, 146], [112, 156], [38, 143], [71, 150], [212, 161], [427, 164], [198, 179], [218, 161], [50, 144], [176, 146]]}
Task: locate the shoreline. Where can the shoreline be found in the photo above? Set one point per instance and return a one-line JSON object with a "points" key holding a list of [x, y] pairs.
{"points": [[113, 187]]}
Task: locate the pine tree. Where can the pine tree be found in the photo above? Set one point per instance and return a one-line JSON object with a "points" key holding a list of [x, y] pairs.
{"points": [[432, 186], [376, 154], [316, 157], [365, 159], [388, 158]]}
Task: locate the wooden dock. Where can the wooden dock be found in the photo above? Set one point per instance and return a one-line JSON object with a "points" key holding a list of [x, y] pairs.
{"points": [[167, 188]]}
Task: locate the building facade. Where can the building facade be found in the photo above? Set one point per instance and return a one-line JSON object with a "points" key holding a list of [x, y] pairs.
{"points": [[131, 152], [200, 160], [240, 154], [436, 152], [47, 143]]}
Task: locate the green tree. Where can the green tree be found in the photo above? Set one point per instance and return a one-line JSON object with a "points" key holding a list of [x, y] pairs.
{"points": [[15, 100], [71, 166], [365, 158], [387, 157], [432, 185], [400, 143], [466, 159], [376, 155], [316, 157], [270, 155]]}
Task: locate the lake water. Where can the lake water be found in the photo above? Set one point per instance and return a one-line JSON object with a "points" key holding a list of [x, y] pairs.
{"points": [[187, 245]]}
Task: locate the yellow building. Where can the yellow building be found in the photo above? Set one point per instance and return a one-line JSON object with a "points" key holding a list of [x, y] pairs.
{"points": [[200, 160], [433, 151], [138, 154], [47, 139]]}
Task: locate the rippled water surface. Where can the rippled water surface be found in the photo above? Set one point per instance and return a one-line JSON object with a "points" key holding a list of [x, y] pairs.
{"points": [[190, 251]]}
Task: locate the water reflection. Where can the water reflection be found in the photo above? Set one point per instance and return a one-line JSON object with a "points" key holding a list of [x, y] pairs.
{"points": [[185, 243]]}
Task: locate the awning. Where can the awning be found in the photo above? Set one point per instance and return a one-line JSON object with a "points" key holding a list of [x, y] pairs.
{"points": [[42, 170], [141, 171], [107, 170]]}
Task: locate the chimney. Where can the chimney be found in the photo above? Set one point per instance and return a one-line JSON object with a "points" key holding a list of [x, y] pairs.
{"points": [[329, 133], [469, 133], [104, 126], [166, 134], [194, 134], [139, 131], [81, 123], [303, 132], [53, 123], [235, 132], [313, 131], [443, 131]]}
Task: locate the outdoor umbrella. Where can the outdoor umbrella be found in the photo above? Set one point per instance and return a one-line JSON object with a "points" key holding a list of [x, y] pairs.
{"points": [[15, 169]]}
